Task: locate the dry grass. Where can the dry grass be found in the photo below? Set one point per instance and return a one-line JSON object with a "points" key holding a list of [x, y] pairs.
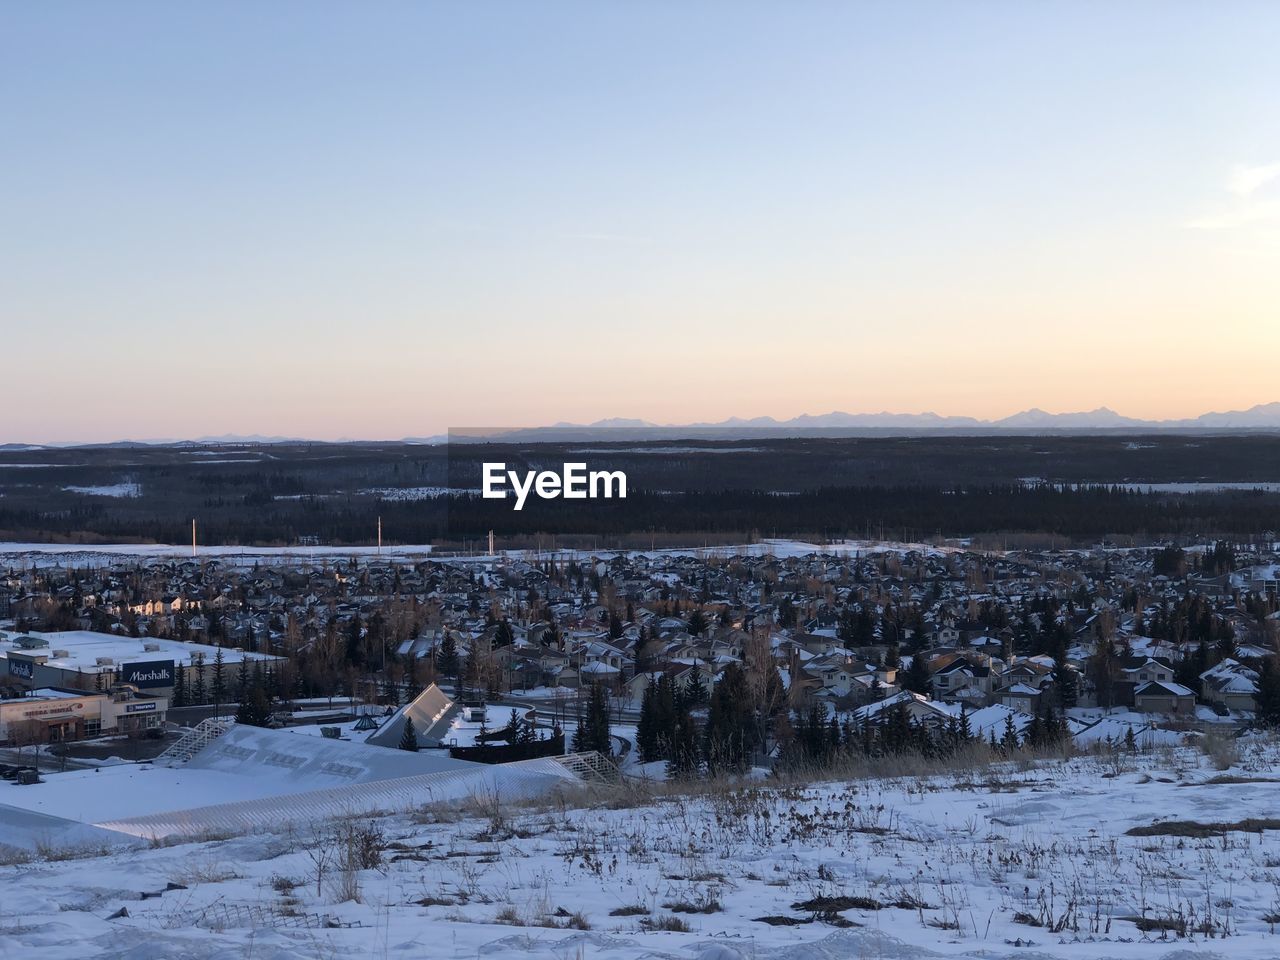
{"points": [[666, 921], [1195, 829], [634, 910], [1222, 750]]}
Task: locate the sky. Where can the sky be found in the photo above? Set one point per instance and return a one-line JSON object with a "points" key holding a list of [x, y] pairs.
{"points": [[379, 220]]}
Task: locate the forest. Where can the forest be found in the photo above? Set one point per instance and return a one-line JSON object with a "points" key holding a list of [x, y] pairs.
{"points": [[906, 488]]}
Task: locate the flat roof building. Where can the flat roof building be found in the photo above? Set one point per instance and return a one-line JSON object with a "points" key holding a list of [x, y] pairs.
{"points": [[85, 660], [52, 714]]}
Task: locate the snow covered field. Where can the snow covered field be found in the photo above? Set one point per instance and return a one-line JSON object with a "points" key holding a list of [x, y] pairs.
{"points": [[127, 489], [35, 554], [410, 494], [104, 554], [1038, 861]]}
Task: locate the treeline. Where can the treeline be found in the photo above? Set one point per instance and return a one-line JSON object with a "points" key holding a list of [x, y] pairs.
{"points": [[747, 713], [743, 711], [903, 512], [908, 512], [821, 743]]}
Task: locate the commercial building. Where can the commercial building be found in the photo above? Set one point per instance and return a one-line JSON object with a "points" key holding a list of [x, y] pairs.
{"points": [[99, 662], [51, 714]]}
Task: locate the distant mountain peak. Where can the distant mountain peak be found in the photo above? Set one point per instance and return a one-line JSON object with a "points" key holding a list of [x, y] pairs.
{"points": [[1262, 416]]}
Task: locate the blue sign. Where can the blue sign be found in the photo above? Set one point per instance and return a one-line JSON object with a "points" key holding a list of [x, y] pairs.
{"points": [[147, 707], [21, 668]]}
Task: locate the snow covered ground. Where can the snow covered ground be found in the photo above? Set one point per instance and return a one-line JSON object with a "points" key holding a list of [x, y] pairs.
{"points": [[410, 494], [1032, 861], [127, 489], [104, 554], [86, 555]]}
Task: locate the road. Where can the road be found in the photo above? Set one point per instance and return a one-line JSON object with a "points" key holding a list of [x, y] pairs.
{"points": [[29, 757]]}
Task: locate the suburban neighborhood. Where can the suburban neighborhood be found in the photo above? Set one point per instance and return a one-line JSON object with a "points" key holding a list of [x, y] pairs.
{"points": [[1162, 640]]}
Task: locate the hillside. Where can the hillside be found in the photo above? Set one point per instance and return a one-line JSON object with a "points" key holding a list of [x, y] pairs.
{"points": [[1033, 861]]}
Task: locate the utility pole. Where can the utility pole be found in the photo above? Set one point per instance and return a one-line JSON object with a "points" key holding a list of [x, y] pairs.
{"points": [[379, 536], [491, 543], [193, 536]]}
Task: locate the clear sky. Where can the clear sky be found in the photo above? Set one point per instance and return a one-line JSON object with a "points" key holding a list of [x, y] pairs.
{"points": [[383, 219]]}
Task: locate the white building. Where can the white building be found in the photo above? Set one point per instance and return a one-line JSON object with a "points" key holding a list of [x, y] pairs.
{"points": [[84, 660]]}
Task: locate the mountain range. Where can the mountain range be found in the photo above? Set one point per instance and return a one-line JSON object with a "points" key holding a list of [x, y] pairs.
{"points": [[1264, 416]]}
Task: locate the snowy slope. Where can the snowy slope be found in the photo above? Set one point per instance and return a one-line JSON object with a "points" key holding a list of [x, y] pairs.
{"points": [[970, 865]]}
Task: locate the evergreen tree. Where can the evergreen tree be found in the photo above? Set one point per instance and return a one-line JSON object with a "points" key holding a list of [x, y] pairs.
{"points": [[1009, 741], [682, 762], [916, 676], [410, 686], [354, 649], [646, 732], [731, 728], [695, 689], [1065, 680], [786, 613], [594, 729], [242, 678], [877, 690], [697, 623], [255, 709], [219, 687], [469, 681], [447, 657], [1268, 696], [408, 736], [198, 689], [1187, 670], [180, 686], [525, 732], [504, 636], [896, 732], [1033, 735], [1103, 668]]}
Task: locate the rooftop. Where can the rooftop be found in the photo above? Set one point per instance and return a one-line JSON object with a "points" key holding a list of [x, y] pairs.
{"points": [[83, 649]]}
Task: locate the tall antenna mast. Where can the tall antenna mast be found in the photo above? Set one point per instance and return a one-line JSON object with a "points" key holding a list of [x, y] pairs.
{"points": [[491, 543], [379, 536], [193, 536]]}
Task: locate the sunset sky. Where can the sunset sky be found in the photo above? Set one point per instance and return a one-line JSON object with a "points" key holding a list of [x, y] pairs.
{"points": [[379, 220]]}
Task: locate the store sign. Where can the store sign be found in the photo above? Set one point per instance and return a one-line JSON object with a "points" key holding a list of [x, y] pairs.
{"points": [[148, 707], [21, 667], [154, 673], [54, 710]]}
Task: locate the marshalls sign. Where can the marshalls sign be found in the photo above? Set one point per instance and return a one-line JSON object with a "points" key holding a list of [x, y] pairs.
{"points": [[153, 673]]}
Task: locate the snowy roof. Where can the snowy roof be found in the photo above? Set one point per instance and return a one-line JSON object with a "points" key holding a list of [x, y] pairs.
{"points": [[84, 648], [990, 719], [1022, 690], [1115, 728], [427, 710], [1163, 688]]}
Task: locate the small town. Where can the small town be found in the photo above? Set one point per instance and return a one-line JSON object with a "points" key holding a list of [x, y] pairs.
{"points": [[563, 480], [1096, 645]]}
